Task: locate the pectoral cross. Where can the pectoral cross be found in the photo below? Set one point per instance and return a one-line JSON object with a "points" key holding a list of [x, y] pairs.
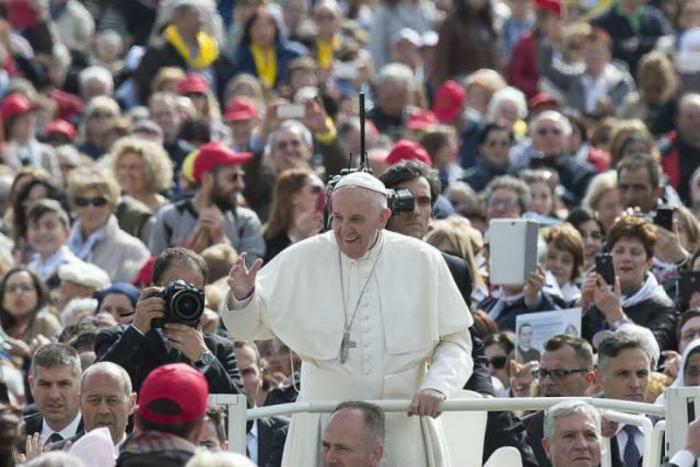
{"points": [[345, 346]]}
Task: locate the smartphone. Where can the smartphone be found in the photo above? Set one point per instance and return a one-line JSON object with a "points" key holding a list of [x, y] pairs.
{"points": [[688, 283], [604, 267], [664, 218], [290, 111]]}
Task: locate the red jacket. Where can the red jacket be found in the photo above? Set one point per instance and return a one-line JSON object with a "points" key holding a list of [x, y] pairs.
{"points": [[522, 69]]}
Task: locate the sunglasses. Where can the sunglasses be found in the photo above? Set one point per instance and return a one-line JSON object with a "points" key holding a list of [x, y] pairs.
{"points": [[498, 362], [545, 131], [97, 201]]}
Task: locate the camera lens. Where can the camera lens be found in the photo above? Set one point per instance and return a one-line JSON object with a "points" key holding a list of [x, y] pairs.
{"points": [[187, 306]]}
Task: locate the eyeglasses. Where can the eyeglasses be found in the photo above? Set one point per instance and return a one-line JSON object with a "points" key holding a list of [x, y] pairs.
{"points": [[14, 288], [544, 131], [498, 362], [97, 201], [542, 373]]}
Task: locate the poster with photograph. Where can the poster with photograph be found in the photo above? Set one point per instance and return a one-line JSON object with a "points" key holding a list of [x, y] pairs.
{"points": [[532, 330]]}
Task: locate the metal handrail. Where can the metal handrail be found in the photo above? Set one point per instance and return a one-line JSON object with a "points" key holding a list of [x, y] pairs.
{"points": [[488, 405]]}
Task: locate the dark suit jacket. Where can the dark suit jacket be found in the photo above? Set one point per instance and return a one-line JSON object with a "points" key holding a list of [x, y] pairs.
{"points": [[277, 448], [461, 275], [33, 423], [140, 354], [267, 429]]}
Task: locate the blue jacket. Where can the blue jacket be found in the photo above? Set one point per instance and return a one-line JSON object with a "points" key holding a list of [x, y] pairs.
{"points": [[287, 51]]}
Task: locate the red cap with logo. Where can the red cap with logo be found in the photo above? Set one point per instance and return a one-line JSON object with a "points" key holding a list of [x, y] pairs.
{"points": [[408, 150], [216, 154], [13, 105], [241, 108], [61, 127], [179, 384], [542, 99], [193, 83], [448, 102]]}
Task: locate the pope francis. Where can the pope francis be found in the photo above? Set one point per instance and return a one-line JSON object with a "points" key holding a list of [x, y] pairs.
{"points": [[372, 314]]}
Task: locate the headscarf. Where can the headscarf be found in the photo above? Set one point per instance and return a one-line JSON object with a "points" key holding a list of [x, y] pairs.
{"points": [[131, 292]]}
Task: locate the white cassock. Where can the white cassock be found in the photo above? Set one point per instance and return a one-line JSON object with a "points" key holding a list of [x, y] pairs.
{"points": [[411, 315]]}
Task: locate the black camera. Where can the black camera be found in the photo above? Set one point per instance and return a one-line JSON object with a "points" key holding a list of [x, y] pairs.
{"points": [[401, 200], [184, 304]]}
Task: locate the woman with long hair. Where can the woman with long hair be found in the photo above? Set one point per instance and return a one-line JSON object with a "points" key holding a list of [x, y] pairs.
{"points": [[297, 210]]}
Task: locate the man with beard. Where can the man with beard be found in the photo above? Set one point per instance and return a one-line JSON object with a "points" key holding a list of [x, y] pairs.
{"points": [[212, 215]]}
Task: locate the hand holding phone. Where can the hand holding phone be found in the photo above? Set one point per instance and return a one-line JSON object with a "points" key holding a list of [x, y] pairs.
{"points": [[664, 218], [604, 267]]}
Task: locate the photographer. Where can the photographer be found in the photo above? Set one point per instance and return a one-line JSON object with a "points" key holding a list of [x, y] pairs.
{"points": [[140, 347]]}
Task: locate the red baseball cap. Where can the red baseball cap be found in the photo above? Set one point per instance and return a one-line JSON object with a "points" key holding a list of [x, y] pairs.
{"points": [[553, 6], [408, 150], [13, 105], [61, 127], [448, 102], [193, 83], [542, 99], [179, 384], [241, 108], [421, 119], [216, 154]]}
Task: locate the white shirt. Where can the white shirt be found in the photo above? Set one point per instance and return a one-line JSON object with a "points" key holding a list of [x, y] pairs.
{"points": [[251, 442], [595, 90], [68, 432], [622, 438], [683, 458], [45, 268]]}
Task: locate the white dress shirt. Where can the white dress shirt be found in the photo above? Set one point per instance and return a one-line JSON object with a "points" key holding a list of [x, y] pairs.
{"points": [[622, 439], [683, 458], [68, 432], [251, 442]]}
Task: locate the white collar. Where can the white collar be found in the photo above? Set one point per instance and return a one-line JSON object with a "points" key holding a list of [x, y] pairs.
{"points": [[67, 432]]}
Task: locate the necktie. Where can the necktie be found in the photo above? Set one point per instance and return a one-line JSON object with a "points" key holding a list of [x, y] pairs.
{"points": [[632, 455], [54, 438]]}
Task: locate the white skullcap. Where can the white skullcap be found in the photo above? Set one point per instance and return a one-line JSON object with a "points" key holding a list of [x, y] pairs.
{"points": [[362, 180], [85, 274], [690, 40]]}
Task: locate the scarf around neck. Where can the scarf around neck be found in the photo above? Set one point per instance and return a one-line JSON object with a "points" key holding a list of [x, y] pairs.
{"points": [[649, 289], [265, 59], [208, 49], [83, 247]]}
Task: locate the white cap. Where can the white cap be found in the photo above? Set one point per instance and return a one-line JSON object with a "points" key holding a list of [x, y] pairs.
{"points": [[361, 180], [409, 35], [430, 39], [85, 274]]}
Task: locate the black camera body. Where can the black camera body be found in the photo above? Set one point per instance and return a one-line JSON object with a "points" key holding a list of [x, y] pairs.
{"points": [[401, 200], [184, 304]]}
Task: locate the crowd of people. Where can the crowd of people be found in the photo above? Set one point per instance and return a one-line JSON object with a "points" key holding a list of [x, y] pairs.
{"points": [[172, 225]]}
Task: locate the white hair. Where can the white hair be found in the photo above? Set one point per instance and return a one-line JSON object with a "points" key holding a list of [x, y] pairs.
{"points": [[76, 306], [296, 127], [507, 94], [555, 116], [565, 409], [97, 73], [219, 459], [396, 73]]}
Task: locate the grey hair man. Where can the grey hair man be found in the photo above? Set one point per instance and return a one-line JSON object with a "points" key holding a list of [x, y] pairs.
{"points": [[572, 435], [55, 384], [354, 436]]}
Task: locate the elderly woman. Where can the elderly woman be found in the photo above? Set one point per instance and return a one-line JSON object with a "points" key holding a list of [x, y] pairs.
{"points": [[297, 210], [508, 107], [95, 126], [565, 258], [96, 236], [603, 198], [143, 170], [23, 315], [636, 295], [118, 301]]}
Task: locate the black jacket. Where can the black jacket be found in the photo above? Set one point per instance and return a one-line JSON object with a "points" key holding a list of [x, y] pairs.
{"points": [[267, 446], [482, 173], [506, 319], [140, 354], [33, 423], [657, 313]]}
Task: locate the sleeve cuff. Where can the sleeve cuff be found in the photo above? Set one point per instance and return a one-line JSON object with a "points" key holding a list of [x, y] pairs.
{"points": [[235, 304], [683, 458]]}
